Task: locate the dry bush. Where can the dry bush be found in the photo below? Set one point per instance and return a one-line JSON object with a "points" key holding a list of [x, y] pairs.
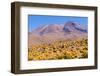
{"points": [[66, 49]]}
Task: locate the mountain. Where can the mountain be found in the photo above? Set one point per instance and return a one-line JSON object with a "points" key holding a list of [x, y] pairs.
{"points": [[53, 32], [73, 27], [51, 28]]}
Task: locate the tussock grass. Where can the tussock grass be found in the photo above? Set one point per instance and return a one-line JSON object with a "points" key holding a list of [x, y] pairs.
{"points": [[65, 49]]}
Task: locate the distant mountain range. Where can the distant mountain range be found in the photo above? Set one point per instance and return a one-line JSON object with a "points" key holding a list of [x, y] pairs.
{"points": [[54, 32]]}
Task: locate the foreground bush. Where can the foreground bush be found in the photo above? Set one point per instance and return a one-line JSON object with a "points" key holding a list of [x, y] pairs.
{"points": [[66, 49]]}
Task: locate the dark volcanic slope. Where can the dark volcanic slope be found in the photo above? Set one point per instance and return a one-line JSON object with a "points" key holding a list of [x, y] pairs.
{"points": [[53, 32]]}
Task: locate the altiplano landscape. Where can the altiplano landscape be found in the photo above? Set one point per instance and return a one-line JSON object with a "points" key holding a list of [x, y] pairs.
{"points": [[58, 41]]}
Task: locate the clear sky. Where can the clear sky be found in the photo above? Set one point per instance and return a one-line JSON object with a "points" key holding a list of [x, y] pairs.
{"points": [[35, 21]]}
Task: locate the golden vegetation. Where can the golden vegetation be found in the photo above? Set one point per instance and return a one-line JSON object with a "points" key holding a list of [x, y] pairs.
{"points": [[66, 49]]}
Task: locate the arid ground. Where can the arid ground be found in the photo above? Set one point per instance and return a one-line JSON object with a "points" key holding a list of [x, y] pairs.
{"points": [[58, 41]]}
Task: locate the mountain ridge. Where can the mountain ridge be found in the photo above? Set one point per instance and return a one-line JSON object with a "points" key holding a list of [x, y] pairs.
{"points": [[53, 32]]}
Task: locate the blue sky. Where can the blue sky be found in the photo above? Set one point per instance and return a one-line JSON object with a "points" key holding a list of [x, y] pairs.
{"points": [[35, 21]]}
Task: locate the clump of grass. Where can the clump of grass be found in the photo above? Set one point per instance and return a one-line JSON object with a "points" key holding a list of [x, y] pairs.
{"points": [[65, 49]]}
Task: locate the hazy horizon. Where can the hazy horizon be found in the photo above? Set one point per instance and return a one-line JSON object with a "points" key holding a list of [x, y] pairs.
{"points": [[35, 21]]}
